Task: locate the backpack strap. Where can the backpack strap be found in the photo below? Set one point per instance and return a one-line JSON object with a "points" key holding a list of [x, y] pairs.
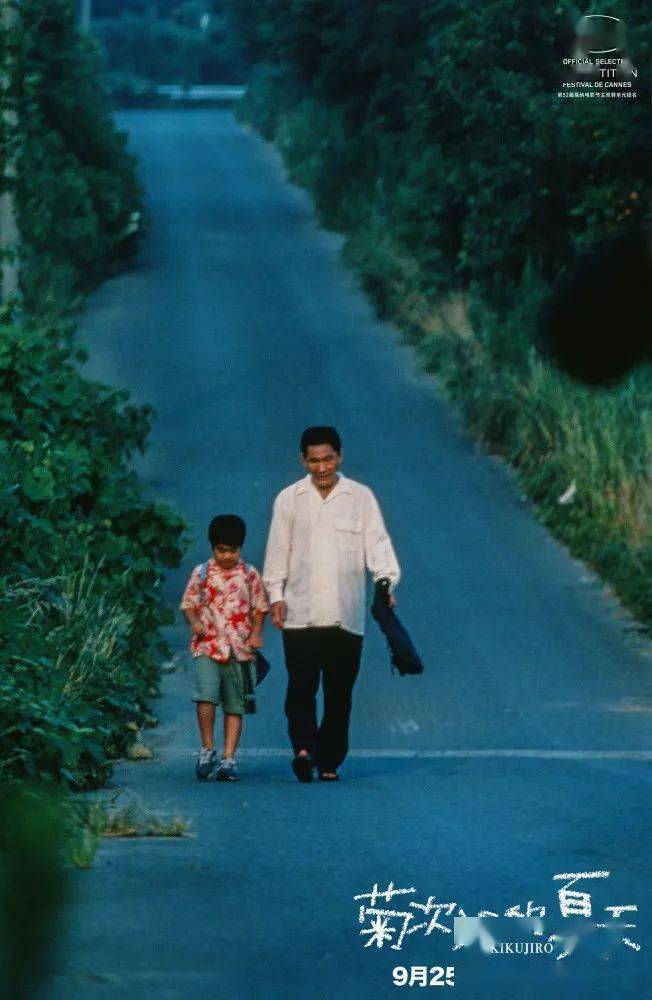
{"points": [[203, 570]]}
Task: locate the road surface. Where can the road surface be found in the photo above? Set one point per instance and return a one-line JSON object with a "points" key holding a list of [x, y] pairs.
{"points": [[524, 750]]}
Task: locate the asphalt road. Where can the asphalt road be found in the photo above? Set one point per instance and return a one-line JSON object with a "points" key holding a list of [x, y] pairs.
{"points": [[524, 751]]}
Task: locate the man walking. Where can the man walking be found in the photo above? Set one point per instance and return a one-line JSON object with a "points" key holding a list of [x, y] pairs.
{"points": [[325, 531]]}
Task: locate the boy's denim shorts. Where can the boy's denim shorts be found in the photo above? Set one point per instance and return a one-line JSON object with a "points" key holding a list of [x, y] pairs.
{"points": [[221, 683]]}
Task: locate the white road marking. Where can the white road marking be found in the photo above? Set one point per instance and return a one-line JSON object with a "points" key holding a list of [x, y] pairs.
{"points": [[622, 706], [645, 755], [631, 705]]}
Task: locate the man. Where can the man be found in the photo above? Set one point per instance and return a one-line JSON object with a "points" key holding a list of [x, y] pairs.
{"points": [[326, 529]]}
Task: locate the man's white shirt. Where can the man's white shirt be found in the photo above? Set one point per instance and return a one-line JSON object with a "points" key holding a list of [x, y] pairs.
{"points": [[318, 550]]}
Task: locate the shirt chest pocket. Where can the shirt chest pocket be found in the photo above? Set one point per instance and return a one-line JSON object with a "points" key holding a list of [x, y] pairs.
{"points": [[348, 535]]}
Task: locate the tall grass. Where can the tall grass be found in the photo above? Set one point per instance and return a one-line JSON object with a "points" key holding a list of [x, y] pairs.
{"points": [[584, 456], [71, 696]]}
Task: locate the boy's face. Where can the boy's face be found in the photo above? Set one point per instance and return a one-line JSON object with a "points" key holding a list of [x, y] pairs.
{"points": [[322, 462], [226, 556]]}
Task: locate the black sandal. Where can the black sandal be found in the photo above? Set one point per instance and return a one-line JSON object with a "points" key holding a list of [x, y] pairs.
{"points": [[302, 766]]}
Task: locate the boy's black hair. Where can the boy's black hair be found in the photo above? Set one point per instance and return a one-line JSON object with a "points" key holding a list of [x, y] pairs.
{"points": [[227, 529], [320, 435]]}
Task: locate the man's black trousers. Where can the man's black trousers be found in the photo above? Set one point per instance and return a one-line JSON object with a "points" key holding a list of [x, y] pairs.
{"points": [[334, 654]]}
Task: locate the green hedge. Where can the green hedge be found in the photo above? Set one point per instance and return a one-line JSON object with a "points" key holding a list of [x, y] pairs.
{"points": [[169, 46], [83, 550], [446, 116], [82, 558], [78, 193]]}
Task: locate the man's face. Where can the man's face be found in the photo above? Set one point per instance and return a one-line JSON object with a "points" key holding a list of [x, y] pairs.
{"points": [[226, 556], [322, 462]]}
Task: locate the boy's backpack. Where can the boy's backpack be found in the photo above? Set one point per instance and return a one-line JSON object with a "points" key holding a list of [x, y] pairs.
{"points": [[262, 664]]}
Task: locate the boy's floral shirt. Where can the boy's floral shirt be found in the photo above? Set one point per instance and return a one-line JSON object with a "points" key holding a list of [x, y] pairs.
{"points": [[229, 598]]}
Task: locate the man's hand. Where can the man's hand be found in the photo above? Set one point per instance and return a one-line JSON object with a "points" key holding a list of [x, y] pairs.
{"points": [[279, 613], [384, 582], [255, 640]]}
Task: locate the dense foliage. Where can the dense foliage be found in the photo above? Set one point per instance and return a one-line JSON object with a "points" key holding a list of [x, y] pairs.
{"points": [[433, 135], [188, 43], [82, 549], [78, 193], [78, 625], [446, 118], [32, 843]]}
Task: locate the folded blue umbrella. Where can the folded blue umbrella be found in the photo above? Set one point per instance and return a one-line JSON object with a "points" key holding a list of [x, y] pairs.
{"points": [[261, 671], [403, 654], [262, 666]]}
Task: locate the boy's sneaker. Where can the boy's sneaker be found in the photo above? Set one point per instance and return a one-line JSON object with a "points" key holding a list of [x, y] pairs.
{"points": [[227, 771], [205, 763]]}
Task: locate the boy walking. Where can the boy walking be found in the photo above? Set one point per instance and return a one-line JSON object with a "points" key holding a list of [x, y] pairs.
{"points": [[225, 605]]}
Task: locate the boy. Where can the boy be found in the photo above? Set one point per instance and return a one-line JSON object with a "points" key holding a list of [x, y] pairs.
{"points": [[225, 605]]}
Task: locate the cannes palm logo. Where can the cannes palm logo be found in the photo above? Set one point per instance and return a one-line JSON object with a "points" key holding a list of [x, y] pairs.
{"points": [[600, 34], [599, 66]]}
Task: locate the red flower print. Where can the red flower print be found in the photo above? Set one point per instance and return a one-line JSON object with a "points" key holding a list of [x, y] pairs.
{"points": [[225, 601], [238, 618]]}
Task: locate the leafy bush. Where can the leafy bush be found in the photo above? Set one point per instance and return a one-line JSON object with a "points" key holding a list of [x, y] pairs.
{"points": [[71, 692], [83, 545], [172, 43], [79, 199], [32, 842], [480, 166], [82, 549]]}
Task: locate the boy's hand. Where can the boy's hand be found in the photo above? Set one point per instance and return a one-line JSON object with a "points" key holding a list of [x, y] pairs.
{"points": [[279, 613], [197, 628], [255, 640]]}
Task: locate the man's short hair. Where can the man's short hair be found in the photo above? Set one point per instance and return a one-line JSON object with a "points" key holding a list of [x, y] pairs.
{"points": [[320, 435], [227, 529]]}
